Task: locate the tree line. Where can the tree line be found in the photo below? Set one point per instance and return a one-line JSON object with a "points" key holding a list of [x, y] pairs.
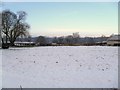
{"points": [[70, 40]]}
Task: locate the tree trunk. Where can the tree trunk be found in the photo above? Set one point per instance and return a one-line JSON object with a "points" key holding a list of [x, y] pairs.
{"points": [[12, 43], [4, 45], [2, 41]]}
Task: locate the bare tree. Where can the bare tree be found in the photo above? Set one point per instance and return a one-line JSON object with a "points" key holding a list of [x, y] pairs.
{"points": [[14, 25], [55, 40], [69, 39], [41, 40]]}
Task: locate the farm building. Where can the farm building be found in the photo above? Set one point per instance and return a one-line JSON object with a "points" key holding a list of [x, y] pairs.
{"points": [[114, 40]]}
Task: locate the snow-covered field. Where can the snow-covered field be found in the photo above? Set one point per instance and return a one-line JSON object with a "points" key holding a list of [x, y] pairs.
{"points": [[0, 69], [60, 67]]}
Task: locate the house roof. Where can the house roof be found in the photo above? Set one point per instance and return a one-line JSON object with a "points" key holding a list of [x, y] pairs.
{"points": [[114, 38]]}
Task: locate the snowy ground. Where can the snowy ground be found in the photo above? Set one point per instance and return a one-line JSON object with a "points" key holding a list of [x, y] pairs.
{"points": [[60, 67], [0, 69]]}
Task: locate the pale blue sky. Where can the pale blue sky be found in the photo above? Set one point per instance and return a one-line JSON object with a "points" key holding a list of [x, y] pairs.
{"points": [[64, 18]]}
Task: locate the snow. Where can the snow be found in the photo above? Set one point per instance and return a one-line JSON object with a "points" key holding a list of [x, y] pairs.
{"points": [[60, 67], [0, 69]]}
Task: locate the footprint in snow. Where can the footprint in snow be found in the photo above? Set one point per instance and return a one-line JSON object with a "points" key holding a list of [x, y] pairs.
{"points": [[102, 69], [76, 60], [80, 65]]}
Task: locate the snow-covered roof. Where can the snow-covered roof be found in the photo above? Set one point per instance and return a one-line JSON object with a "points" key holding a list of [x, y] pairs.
{"points": [[114, 38], [23, 42]]}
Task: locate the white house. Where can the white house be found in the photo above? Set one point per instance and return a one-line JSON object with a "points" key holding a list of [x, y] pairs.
{"points": [[114, 40]]}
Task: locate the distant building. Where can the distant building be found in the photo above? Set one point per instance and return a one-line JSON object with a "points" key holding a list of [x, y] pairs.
{"points": [[76, 35], [114, 40]]}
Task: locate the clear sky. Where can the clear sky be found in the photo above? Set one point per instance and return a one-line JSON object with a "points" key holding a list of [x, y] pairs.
{"points": [[64, 18]]}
